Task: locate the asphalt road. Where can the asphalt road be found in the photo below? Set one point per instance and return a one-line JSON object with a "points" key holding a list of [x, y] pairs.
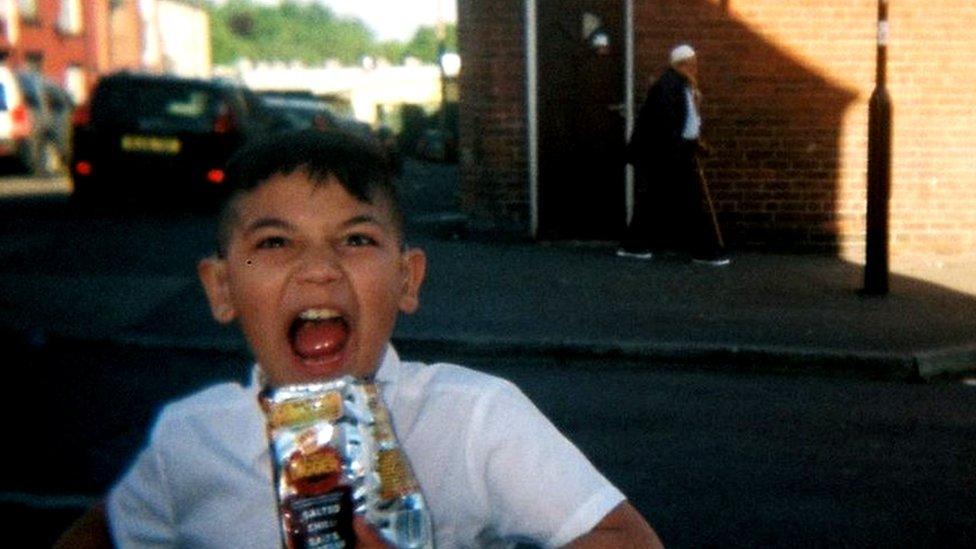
{"points": [[712, 459]]}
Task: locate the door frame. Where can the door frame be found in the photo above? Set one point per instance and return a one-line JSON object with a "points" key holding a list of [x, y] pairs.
{"points": [[532, 105]]}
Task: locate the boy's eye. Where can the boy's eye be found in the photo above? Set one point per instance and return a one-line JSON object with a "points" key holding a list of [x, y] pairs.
{"points": [[358, 239], [272, 242]]}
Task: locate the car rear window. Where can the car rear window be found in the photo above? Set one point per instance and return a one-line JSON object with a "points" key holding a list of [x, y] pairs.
{"points": [[155, 106], [299, 111]]}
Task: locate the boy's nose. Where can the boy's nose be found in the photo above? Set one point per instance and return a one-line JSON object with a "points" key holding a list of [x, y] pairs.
{"points": [[320, 266]]}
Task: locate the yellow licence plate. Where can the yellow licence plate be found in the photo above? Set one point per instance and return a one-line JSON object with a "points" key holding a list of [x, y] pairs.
{"points": [[149, 144]]}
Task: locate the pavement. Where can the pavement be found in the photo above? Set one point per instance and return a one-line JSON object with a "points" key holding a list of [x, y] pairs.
{"points": [[764, 312], [796, 314]]}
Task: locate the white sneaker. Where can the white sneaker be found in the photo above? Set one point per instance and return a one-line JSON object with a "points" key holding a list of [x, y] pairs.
{"points": [[643, 254]]}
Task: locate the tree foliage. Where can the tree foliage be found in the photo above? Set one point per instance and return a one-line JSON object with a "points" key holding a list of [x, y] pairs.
{"points": [[308, 32]]}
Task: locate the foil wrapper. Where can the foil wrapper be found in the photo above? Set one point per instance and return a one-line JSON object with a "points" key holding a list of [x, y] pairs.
{"points": [[335, 455]]}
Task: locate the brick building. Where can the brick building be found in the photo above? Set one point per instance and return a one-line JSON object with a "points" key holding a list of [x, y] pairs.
{"points": [[72, 42], [786, 89]]}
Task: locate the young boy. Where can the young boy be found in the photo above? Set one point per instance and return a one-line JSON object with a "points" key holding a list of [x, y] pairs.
{"points": [[312, 266]]}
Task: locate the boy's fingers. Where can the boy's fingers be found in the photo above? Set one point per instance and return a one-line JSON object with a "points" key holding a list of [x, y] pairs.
{"points": [[366, 536]]}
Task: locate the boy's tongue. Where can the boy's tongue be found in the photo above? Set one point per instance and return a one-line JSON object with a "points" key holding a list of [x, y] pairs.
{"points": [[319, 339]]}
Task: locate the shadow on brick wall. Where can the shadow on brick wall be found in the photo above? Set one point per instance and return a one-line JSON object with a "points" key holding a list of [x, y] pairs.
{"points": [[773, 122]]}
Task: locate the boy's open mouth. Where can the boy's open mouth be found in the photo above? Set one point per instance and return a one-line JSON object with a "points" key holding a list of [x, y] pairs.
{"points": [[318, 335]]}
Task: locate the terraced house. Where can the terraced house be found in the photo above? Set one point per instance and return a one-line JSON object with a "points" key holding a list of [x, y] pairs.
{"points": [[72, 42]]}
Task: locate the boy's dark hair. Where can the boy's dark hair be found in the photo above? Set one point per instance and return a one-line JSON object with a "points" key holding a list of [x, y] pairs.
{"points": [[360, 166]]}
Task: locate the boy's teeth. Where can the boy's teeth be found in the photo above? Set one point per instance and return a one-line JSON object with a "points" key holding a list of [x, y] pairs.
{"points": [[318, 314]]}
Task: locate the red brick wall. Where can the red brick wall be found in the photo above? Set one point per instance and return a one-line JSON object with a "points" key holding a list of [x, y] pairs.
{"points": [[493, 159], [774, 120], [59, 50], [92, 49], [786, 88], [933, 86]]}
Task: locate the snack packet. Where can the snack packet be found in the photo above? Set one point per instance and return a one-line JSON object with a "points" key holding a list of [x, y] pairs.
{"points": [[335, 454]]}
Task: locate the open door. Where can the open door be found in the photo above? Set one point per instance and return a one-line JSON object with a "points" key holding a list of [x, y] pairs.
{"points": [[581, 119]]}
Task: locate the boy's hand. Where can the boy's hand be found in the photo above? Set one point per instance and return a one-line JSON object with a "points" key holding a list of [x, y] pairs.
{"points": [[88, 532], [622, 528], [366, 536]]}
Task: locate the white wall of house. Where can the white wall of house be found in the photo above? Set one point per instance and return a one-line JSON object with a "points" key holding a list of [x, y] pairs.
{"points": [[176, 37], [366, 87]]}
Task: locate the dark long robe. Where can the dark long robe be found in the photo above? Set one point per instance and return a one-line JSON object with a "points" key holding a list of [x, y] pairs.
{"points": [[660, 122], [662, 162]]}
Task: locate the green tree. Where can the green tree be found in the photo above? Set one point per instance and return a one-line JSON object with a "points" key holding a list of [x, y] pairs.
{"points": [[425, 45], [309, 32], [292, 30]]}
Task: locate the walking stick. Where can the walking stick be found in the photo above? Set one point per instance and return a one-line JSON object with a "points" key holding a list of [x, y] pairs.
{"points": [[711, 206]]}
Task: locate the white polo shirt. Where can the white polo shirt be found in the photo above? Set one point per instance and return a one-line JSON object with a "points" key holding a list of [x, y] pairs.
{"points": [[492, 468]]}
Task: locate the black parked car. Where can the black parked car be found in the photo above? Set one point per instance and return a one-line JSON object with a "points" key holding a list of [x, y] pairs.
{"points": [[302, 110], [299, 110], [159, 137]]}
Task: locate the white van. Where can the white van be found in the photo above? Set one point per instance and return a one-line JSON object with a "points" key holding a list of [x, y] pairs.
{"points": [[35, 122], [15, 118]]}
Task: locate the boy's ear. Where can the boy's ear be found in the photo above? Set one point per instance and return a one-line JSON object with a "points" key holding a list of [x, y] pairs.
{"points": [[414, 266], [213, 276]]}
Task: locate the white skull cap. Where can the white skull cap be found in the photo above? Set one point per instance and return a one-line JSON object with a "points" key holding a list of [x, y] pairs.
{"points": [[681, 53]]}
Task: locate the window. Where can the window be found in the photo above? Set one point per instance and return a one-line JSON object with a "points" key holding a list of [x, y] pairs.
{"points": [[28, 9], [9, 26], [69, 19], [157, 106], [74, 82]]}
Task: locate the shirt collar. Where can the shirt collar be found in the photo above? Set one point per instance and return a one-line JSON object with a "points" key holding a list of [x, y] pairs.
{"points": [[388, 372], [389, 369], [386, 377]]}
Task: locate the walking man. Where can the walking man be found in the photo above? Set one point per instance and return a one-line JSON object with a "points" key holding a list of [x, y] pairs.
{"points": [[672, 207]]}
